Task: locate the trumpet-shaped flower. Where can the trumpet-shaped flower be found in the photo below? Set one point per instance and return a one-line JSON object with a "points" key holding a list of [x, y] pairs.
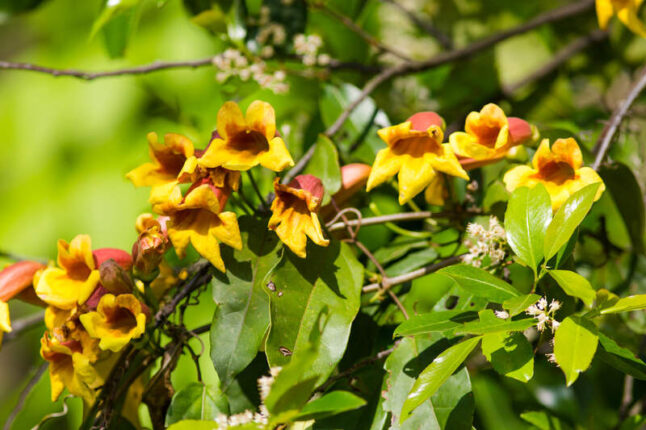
{"points": [[626, 11], [294, 216], [489, 134], [68, 368], [167, 160], [559, 169], [416, 151], [116, 321], [197, 218], [76, 277], [246, 141]]}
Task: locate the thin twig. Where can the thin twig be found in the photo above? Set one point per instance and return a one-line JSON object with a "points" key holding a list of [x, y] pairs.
{"points": [[263, 203], [18, 257], [387, 283], [612, 127], [558, 60], [24, 394], [444, 40], [352, 26], [406, 216], [23, 324]]}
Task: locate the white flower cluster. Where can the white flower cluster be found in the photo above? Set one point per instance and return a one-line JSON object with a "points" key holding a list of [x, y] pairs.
{"points": [[307, 46], [247, 417], [545, 314], [232, 63], [485, 242]]}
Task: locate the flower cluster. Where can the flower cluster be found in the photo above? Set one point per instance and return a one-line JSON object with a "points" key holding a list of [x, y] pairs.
{"points": [[307, 46], [544, 314], [416, 153], [485, 243], [239, 143], [232, 63]]}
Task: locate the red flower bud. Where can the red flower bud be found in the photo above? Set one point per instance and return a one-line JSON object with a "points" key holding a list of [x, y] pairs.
{"points": [[148, 251], [421, 121], [114, 278], [309, 183], [121, 257], [93, 301], [519, 130], [17, 277]]}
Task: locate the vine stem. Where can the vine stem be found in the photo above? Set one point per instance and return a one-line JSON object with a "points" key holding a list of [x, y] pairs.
{"points": [[612, 127]]}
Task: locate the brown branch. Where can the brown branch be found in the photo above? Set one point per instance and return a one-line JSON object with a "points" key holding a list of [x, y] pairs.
{"points": [[612, 127], [558, 60], [396, 280], [406, 216]]}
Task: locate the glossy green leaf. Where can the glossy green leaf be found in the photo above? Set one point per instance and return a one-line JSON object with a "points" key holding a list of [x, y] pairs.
{"points": [[434, 322], [400, 379], [412, 261], [112, 9], [194, 425], [568, 218], [628, 196], [242, 316], [329, 404], [494, 193], [575, 343], [480, 283], [453, 402], [196, 401], [489, 323], [627, 304], [330, 277], [432, 378], [519, 304], [325, 166], [544, 421], [574, 285], [529, 212], [510, 354], [620, 358]]}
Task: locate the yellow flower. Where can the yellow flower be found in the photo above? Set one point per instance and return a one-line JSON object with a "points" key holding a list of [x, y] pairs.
{"points": [[167, 160], [5, 322], [69, 368], [197, 218], [116, 321], [416, 151], [558, 168], [436, 191], [626, 11], [488, 135], [243, 142], [294, 213], [74, 280]]}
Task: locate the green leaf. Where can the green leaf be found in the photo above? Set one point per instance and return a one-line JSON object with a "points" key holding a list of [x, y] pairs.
{"points": [[628, 197], [325, 166], [510, 354], [196, 401], [568, 218], [332, 403], [543, 420], [620, 358], [495, 192], [489, 323], [412, 262], [432, 378], [117, 32], [336, 99], [399, 380], [519, 304], [626, 304], [397, 250], [112, 9], [194, 425], [574, 285], [529, 212], [242, 316], [330, 277], [480, 283], [433, 322], [453, 402], [575, 343]]}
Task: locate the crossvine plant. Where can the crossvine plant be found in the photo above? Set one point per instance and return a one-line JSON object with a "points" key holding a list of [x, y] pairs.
{"points": [[334, 310]]}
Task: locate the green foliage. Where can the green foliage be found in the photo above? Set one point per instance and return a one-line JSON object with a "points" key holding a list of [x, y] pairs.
{"points": [[480, 283], [325, 166], [574, 285], [197, 401], [575, 343]]}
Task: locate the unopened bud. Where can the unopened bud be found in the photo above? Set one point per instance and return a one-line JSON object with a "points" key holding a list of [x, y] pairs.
{"points": [[114, 278], [17, 277], [422, 121], [521, 131], [147, 253], [120, 256]]}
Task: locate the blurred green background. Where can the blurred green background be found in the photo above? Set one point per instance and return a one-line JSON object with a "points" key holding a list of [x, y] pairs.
{"points": [[66, 144]]}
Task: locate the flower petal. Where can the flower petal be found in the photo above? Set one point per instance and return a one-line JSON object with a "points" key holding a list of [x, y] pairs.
{"points": [[448, 163], [415, 174], [386, 165], [277, 158], [517, 177], [466, 145], [230, 121], [261, 117], [436, 191]]}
